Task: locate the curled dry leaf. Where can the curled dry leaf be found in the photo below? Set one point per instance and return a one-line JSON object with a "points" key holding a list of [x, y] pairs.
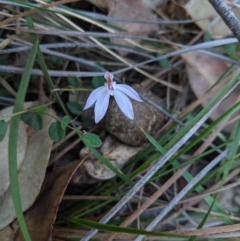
{"points": [[207, 14], [136, 10], [203, 71], [45, 208], [114, 151], [32, 165]]}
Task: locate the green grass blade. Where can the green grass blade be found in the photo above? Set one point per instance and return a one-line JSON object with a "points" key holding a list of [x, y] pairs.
{"points": [[13, 137], [204, 220], [155, 143], [116, 229]]}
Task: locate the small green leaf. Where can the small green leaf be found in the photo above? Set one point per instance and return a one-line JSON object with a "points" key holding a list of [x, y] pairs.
{"points": [[57, 60], [3, 129], [91, 139], [74, 107], [33, 119], [206, 36], [230, 49], [65, 121], [117, 229], [163, 62], [73, 81], [97, 81], [56, 132]]}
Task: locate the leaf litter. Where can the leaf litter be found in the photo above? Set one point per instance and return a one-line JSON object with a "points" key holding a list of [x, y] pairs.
{"points": [[195, 78]]}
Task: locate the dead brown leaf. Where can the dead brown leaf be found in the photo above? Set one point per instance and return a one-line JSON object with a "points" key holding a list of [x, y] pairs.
{"points": [[203, 71], [41, 216], [7, 234], [136, 10]]}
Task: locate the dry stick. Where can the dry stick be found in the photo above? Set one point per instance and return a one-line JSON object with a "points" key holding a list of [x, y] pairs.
{"points": [[64, 151], [32, 11], [8, 87], [228, 16], [196, 47], [216, 214], [67, 233], [209, 231], [207, 192], [167, 184], [105, 198], [159, 163], [60, 232]]}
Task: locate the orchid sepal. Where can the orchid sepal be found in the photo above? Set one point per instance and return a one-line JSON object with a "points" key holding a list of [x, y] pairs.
{"points": [[121, 94]]}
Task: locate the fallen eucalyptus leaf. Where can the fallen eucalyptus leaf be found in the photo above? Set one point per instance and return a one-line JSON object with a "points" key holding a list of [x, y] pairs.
{"points": [[32, 168], [134, 9], [44, 209], [21, 147], [203, 71]]}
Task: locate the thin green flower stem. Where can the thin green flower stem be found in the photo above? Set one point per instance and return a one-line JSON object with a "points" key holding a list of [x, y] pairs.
{"points": [[13, 139]]}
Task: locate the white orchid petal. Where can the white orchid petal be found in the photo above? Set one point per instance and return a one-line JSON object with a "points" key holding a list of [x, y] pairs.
{"points": [[108, 76], [124, 104], [94, 96], [101, 105], [129, 91]]}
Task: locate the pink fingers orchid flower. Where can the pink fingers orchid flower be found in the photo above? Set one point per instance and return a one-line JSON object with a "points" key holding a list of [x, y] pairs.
{"points": [[120, 92]]}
